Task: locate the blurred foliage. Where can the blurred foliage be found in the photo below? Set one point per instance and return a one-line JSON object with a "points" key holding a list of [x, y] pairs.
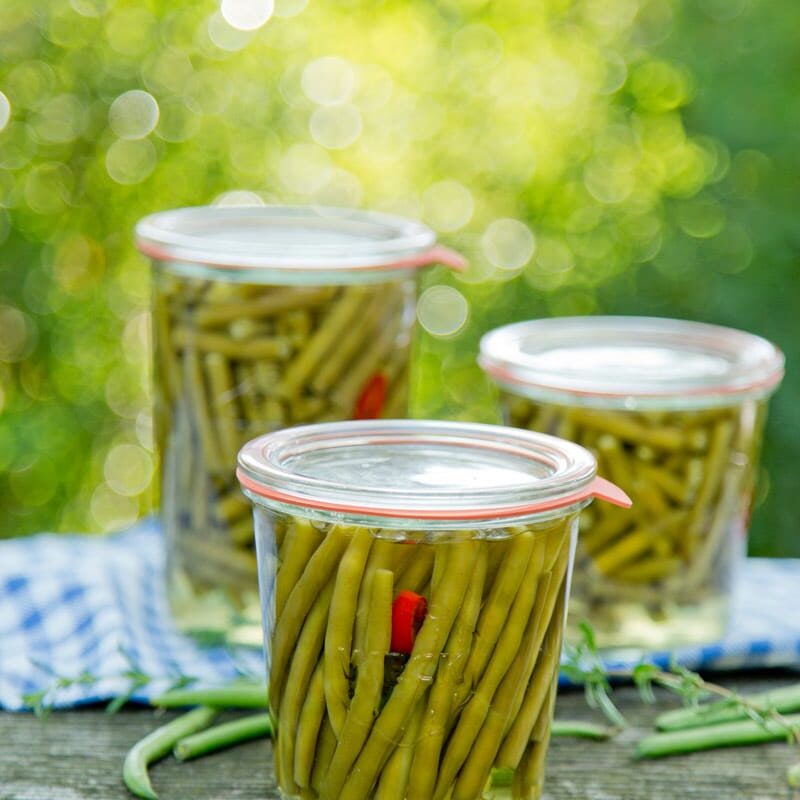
{"points": [[587, 156]]}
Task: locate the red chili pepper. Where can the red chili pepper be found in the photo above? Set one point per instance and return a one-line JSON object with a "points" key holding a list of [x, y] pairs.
{"points": [[370, 402], [408, 613]]}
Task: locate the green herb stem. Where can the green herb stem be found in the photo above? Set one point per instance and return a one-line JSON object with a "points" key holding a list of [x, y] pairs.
{"points": [[783, 700], [219, 737], [729, 734]]}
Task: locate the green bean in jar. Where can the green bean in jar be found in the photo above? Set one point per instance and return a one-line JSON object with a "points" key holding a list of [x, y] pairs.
{"points": [[413, 633], [264, 318], [674, 413]]}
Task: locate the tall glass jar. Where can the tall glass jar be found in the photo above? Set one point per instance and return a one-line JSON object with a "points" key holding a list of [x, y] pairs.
{"points": [[674, 412], [263, 318], [414, 576]]}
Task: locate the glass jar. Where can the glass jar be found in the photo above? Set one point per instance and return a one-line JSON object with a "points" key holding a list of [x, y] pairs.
{"points": [[674, 412], [264, 317], [413, 579]]}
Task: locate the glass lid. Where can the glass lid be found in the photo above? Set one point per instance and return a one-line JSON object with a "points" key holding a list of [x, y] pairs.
{"points": [[425, 470], [630, 362], [292, 241]]}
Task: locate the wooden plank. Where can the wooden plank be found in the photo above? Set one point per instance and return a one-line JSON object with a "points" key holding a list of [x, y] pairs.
{"points": [[77, 755]]}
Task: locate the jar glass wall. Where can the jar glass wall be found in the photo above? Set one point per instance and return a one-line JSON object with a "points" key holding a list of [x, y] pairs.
{"points": [[264, 318], [414, 579], [355, 717], [674, 412], [235, 360], [661, 574]]}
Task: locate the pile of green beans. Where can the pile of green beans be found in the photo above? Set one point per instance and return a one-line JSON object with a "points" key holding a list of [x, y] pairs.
{"points": [[475, 693], [690, 475], [233, 361]]}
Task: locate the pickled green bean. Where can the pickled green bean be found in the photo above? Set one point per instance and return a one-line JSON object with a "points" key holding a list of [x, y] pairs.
{"points": [[339, 635]]}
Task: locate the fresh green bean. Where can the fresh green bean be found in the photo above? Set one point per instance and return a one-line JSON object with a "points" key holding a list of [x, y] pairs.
{"points": [[158, 744], [709, 737], [254, 726], [239, 694]]}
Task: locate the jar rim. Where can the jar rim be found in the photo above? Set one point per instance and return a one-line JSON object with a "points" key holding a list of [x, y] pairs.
{"points": [[289, 242], [420, 470], [631, 362]]}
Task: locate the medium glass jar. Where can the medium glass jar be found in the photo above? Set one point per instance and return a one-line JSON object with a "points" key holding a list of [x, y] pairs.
{"points": [[413, 580], [264, 317], [674, 412]]}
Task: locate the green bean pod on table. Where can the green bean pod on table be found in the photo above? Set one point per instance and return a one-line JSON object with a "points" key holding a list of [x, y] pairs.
{"points": [[473, 692]]}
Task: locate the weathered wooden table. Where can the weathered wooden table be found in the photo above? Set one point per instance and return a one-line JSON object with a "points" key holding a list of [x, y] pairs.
{"points": [[78, 755]]}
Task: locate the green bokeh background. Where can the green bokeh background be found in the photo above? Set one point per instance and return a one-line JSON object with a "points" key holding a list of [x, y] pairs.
{"points": [[597, 156]]}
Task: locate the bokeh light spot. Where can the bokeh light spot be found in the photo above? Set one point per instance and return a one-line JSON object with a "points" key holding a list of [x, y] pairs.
{"points": [[48, 187], [442, 310], [508, 244], [128, 469], [225, 36], [447, 206], [247, 15], [328, 80], [335, 127], [130, 161], [89, 8], [60, 120], [176, 122], [17, 334], [289, 8], [238, 197], [78, 263], [701, 217], [5, 111], [478, 47], [111, 511], [375, 86], [133, 114], [131, 31], [341, 189], [305, 168], [34, 485]]}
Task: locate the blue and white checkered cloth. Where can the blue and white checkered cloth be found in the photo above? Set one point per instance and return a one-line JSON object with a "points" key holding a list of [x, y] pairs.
{"points": [[84, 604]]}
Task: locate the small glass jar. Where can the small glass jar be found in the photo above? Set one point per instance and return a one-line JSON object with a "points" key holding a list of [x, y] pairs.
{"points": [[264, 317], [674, 412], [413, 580]]}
